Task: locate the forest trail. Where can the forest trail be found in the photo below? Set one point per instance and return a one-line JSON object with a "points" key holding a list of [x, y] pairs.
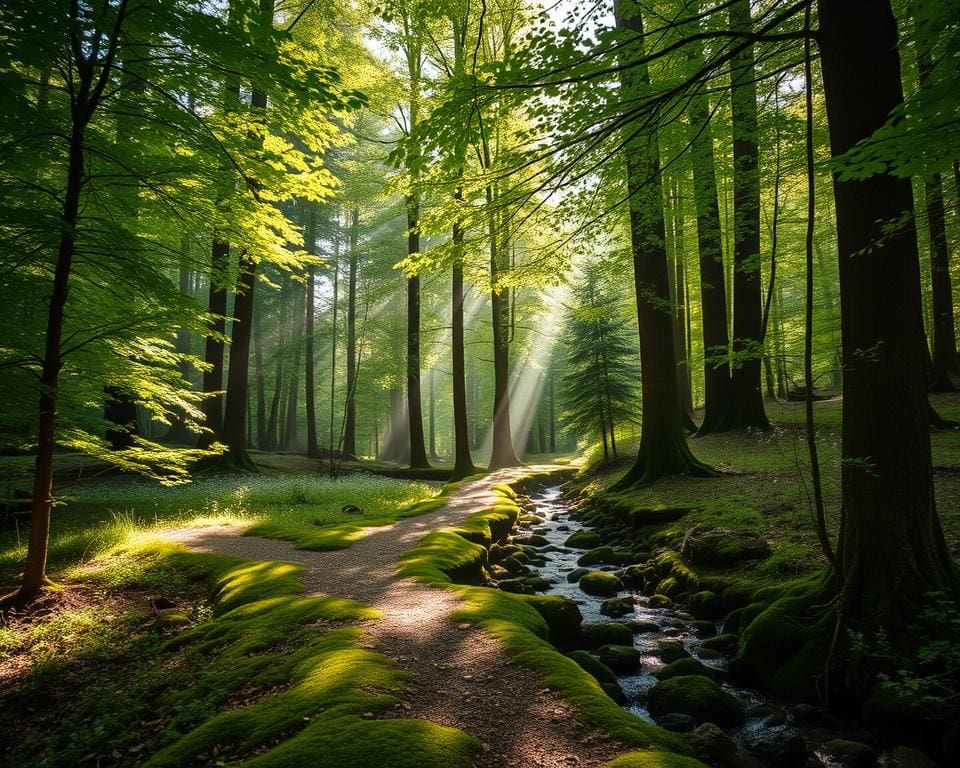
{"points": [[461, 677]]}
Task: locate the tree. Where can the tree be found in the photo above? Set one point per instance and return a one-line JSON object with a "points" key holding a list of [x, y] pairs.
{"points": [[599, 383]]}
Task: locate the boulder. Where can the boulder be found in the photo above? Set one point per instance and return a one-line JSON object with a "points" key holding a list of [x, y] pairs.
{"points": [[617, 606], [905, 757], [682, 667], [849, 754], [696, 696], [525, 585], [562, 615], [534, 540], [706, 605], [712, 745], [670, 651], [624, 659], [781, 751], [597, 669], [633, 576], [660, 601], [600, 584], [725, 644], [615, 692], [515, 567], [704, 629], [596, 556], [594, 634], [576, 574], [643, 627], [676, 722], [704, 545], [583, 540]]}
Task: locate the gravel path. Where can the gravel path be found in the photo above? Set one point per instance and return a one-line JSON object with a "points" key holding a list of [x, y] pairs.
{"points": [[461, 676]]}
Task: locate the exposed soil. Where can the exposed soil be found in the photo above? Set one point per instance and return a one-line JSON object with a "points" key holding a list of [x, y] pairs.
{"points": [[461, 676]]}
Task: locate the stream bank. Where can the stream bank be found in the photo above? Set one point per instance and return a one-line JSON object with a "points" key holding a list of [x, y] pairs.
{"points": [[665, 658]]}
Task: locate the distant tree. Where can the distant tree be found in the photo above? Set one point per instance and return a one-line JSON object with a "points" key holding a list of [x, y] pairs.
{"points": [[600, 381]]}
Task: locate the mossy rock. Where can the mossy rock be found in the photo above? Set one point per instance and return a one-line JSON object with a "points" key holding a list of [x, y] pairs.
{"points": [[514, 565], [726, 644], [633, 576], [706, 605], [600, 584], [669, 587], [684, 667], [576, 574], [706, 653], [597, 669], [644, 626], [737, 596], [670, 651], [849, 754], [594, 634], [739, 618], [562, 615], [615, 692], [624, 659], [622, 556], [596, 556], [616, 607], [722, 546], [704, 629], [525, 585], [696, 696], [649, 759], [171, 618], [583, 540], [659, 601], [534, 540]]}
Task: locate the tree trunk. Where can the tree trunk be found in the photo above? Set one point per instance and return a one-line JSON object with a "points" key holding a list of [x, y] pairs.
{"points": [[350, 420], [462, 461], [718, 404], [310, 393], [418, 452], [235, 410], [944, 357], [214, 347], [747, 317], [290, 430], [678, 299], [892, 550], [273, 423], [333, 342], [663, 446], [259, 376]]}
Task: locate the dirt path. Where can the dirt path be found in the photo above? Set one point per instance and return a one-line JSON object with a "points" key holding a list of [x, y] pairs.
{"points": [[461, 677]]}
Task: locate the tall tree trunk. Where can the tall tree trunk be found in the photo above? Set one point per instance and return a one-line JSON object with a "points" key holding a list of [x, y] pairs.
{"points": [[892, 550], [333, 343], [259, 375], [432, 417], [553, 415], [418, 452], [178, 432], [678, 300], [747, 317], [350, 420], [310, 392], [214, 346], [462, 461], [276, 401], [290, 430], [717, 395], [945, 363], [235, 408], [663, 445]]}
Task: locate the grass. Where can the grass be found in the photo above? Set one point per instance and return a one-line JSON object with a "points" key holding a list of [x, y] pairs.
{"points": [[92, 519]]}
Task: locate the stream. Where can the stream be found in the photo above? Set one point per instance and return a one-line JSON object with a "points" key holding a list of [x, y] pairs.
{"points": [[770, 724]]}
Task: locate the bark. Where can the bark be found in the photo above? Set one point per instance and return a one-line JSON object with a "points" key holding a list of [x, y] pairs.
{"points": [[273, 438], [214, 346], [418, 452], [747, 302], [235, 408], [310, 394], [333, 343], [553, 417], [290, 430], [718, 404], [945, 363], [350, 420], [462, 462], [663, 446], [892, 550], [678, 300], [259, 376]]}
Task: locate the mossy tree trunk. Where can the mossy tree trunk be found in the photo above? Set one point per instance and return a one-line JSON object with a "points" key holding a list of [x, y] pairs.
{"points": [[663, 445], [892, 550]]}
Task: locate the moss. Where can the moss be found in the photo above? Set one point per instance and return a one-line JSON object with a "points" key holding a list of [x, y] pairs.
{"points": [[601, 584], [654, 760], [669, 587], [683, 667], [625, 659], [561, 614], [597, 669], [595, 556], [706, 605], [696, 696], [594, 634], [583, 540]]}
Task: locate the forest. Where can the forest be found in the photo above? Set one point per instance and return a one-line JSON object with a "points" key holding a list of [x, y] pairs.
{"points": [[480, 383]]}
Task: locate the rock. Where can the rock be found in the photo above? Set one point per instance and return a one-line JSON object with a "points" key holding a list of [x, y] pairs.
{"points": [[498, 572], [697, 696], [525, 585], [583, 540], [624, 659], [706, 653], [771, 715], [706, 605], [711, 744], [594, 634], [600, 584], [781, 751], [806, 713], [688, 666], [596, 556], [615, 692], [633, 576], [597, 669], [642, 627], [515, 567], [617, 606], [669, 587], [849, 754], [676, 722], [171, 617], [576, 574], [725, 644], [905, 757], [659, 601], [704, 629], [562, 615], [534, 540], [722, 546], [670, 651], [622, 556]]}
